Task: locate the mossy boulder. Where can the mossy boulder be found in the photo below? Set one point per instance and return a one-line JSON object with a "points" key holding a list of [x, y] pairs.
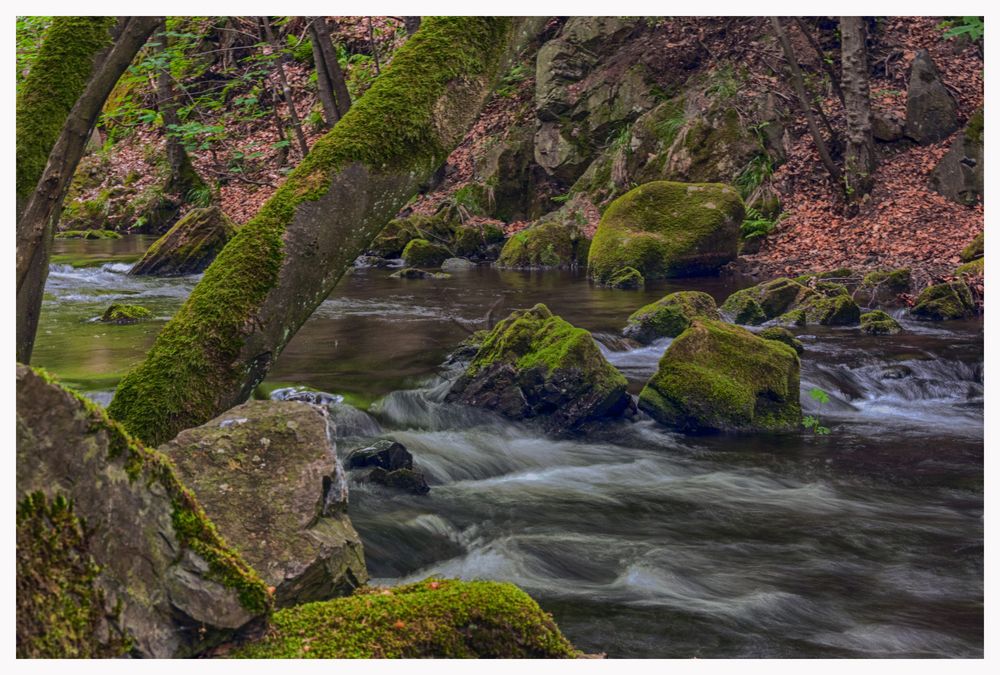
{"points": [[666, 229], [188, 247], [414, 273], [627, 278], [976, 268], [478, 242], [768, 300], [536, 365], [837, 309], [952, 300], [115, 555], [552, 242], [883, 287], [975, 249], [718, 377], [88, 234], [422, 253], [125, 314], [669, 316], [435, 618], [784, 335], [879, 323], [267, 475], [397, 233]]}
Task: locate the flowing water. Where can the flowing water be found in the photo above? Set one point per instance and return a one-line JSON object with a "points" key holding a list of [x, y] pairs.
{"points": [[867, 542]]}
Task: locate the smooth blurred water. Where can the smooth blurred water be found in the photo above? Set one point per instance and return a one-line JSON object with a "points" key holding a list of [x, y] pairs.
{"points": [[643, 543]]}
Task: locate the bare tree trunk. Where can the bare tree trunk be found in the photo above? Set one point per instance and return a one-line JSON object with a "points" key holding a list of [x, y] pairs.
{"points": [[183, 176], [285, 89], [371, 41], [331, 66], [800, 90], [282, 264], [827, 65], [859, 157], [35, 227], [322, 78]]}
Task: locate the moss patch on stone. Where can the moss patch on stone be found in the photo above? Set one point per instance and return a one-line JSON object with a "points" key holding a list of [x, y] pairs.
{"points": [[435, 618], [975, 249], [716, 376], [757, 304], [945, 301], [894, 281], [627, 278], [976, 268], [782, 335], [669, 316], [189, 246], [879, 323], [831, 310], [422, 253], [554, 242], [88, 234], [125, 314], [666, 229]]}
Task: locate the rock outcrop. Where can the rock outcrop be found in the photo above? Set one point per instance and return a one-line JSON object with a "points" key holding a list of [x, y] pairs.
{"points": [[148, 574], [718, 377], [931, 112], [267, 474], [536, 365], [188, 247]]}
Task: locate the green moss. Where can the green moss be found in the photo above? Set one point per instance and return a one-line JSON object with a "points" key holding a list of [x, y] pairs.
{"points": [[552, 242], [422, 253], [782, 335], [667, 229], [831, 310], [60, 608], [193, 528], [626, 278], [189, 246], [56, 80], [433, 618], [471, 240], [670, 316], [716, 376], [975, 249], [879, 323], [976, 268], [757, 304], [125, 314], [195, 367], [974, 127], [894, 281], [88, 234], [944, 302]]}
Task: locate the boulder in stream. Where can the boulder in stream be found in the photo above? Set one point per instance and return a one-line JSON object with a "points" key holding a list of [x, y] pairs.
{"points": [[536, 365], [879, 323], [125, 314], [669, 316], [114, 554], [719, 377], [267, 474], [945, 301], [188, 247]]}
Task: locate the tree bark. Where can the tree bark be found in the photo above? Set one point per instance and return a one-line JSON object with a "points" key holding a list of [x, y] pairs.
{"points": [[859, 156], [331, 67], [35, 226], [286, 90], [800, 91], [371, 41], [330, 113], [412, 23], [282, 264]]}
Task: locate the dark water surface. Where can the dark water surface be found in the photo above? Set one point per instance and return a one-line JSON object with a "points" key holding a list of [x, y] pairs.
{"points": [[867, 542]]}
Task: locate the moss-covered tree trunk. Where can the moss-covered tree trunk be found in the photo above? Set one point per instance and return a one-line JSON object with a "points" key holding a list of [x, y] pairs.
{"points": [[74, 48], [859, 158], [282, 264]]}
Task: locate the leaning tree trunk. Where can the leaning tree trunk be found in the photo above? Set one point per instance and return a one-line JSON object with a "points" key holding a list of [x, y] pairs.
{"points": [[859, 156], [282, 264], [35, 226]]}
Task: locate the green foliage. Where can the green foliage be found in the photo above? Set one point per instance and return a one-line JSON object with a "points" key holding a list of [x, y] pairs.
{"points": [[756, 225], [811, 422], [509, 82], [724, 83], [971, 26], [753, 175], [668, 127]]}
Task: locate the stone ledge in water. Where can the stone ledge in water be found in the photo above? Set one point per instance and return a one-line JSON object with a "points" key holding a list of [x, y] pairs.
{"points": [[669, 316], [156, 564], [718, 377], [188, 247], [436, 618], [267, 475], [536, 365]]}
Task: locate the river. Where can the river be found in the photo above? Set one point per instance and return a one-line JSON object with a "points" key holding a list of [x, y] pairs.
{"points": [[867, 542]]}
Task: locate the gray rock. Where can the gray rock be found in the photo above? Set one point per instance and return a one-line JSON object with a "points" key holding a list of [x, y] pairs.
{"points": [[155, 586], [959, 176], [267, 474], [931, 113], [189, 247], [386, 454], [456, 265]]}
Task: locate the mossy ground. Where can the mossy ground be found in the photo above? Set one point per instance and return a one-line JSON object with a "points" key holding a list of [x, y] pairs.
{"points": [[433, 618]]}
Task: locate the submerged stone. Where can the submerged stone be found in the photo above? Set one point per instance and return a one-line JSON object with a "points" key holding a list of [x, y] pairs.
{"points": [[719, 377], [669, 316], [267, 474], [627, 278], [536, 365], [188, 247]]}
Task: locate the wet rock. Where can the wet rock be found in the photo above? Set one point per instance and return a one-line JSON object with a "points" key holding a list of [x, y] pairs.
{"points": [[365, 261], [556, 241], [456, 265], [959, 175], [719, 377], [188, 247], [897, 372], [669, 316], [267, 474], [536, 365], [627, 278], [385, 454], [422, 253], [946, 301], [665, 229], [414, 273], [150, 566], [406, 480], [125, 314], [879, 323], [931, 113]]}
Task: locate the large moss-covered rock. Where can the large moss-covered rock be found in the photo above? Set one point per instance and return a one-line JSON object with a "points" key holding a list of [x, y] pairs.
{"points": [[768, 300], [536, 365], [393, 238], [422, 253], [941, 302], [975, 249], [552, 242], [669, 316], [716, 376], [784, 335], [960, 174], [435, 618], [267, 474], [931, 112], [879, 323], [837, 309], [666, 229], [114, 553], [189, 246], [478, 242]]}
